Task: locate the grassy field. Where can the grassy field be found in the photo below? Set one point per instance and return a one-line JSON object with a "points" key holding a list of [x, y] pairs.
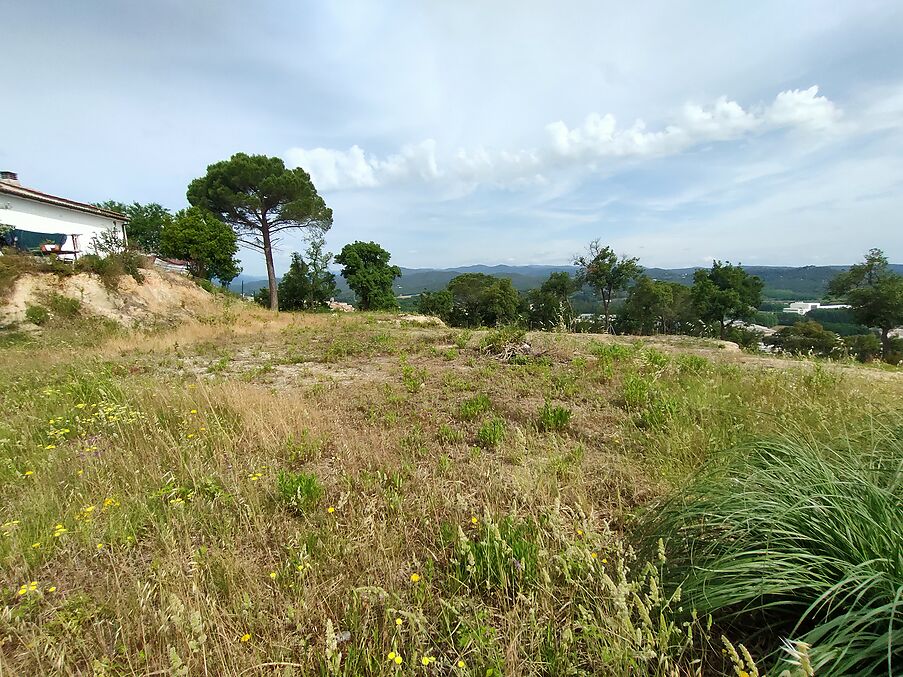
{"points": [[359, 495]]}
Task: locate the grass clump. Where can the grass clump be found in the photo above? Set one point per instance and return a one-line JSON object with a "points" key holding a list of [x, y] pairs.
{"points": [[492, 432], [553, 418], [299, 491], [798, 542], [473, 407]]}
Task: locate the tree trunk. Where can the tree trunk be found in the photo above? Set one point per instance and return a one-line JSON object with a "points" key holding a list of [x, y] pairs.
{"points": [[885, 341], [721, 322], [271, 269]]}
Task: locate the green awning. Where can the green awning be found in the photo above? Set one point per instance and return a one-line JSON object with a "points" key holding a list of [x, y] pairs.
{"points": [[30, 241]]}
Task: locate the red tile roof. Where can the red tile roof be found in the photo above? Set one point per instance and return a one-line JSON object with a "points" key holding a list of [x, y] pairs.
{"points": [[30, 194]]}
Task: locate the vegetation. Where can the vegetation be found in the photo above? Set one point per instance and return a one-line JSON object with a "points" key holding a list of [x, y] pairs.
{"points": [[366, 269], [794, 540], [875, 293], [725, 293], [208, 244], [261, 199], [807, 338], [146, 223], [606, 274], [308, 284], [325, 494]]}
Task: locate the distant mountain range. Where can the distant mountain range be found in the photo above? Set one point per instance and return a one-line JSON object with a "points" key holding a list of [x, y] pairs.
{"points": [[781, 282]]}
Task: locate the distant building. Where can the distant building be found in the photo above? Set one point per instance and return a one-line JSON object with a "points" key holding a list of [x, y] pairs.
{"points": [[48, 224], [805, 307]]}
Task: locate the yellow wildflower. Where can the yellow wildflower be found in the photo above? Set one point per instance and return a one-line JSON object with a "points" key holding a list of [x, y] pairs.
{"points": [[80, 405], [194, 411], [579, 532], [604, 561], [50, 446], [415, 578], [100, 546], [398, 621], [398, 660], [391, 656], [426, 660], [461, 664], [36, 545], [593, 555], [52, 588], [273, 575], [245, 637], [473, 520], [28, 473], [330, 510]]}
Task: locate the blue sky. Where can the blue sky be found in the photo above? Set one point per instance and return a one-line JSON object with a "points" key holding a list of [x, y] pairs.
{"points": [[470, 132]]}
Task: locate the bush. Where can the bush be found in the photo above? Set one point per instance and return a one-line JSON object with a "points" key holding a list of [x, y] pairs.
{"points": [[38, 315], [299, 491], [792, 541], [503, 340], [807, 338], [63, 306], [113, 266], [745, 338], [863, 347], [553, 418]]}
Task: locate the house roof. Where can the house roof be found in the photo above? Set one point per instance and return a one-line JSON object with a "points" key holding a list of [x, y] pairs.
{"points": [[30, 194]]}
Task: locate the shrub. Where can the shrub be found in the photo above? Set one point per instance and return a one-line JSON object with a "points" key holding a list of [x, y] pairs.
{"points": [[863, 347], [63, 306], [492, 432], [299, 491], [807, 338], [38, 315], [796, 542], [113, 266], [553, 418], [473, 407], [503, 340]]}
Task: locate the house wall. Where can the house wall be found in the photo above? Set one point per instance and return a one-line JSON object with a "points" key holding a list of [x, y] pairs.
{"points": [[40, 217]]}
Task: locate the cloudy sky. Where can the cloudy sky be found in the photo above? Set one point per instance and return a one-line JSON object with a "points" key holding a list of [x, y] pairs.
{"points": [[485, 131]]}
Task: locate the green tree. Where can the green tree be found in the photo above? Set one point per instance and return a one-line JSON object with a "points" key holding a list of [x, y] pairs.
{"points": [[654, 307], [260, 199], [322, 281], [146, 222], [208, 244], [606, 274], [550, 305], [725, 293], [482, 300], [875, 293], [366, 269], [438, 304], [294, 287]]}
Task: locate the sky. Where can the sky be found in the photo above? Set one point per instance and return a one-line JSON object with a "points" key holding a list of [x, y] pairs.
{"points": [[493, 131]]}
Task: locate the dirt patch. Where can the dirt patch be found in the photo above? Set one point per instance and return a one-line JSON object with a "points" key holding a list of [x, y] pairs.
{"points": [[162, 296]]}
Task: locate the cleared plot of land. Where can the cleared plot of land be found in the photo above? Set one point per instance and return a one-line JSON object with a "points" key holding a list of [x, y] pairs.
{"points": [[322, 494]]}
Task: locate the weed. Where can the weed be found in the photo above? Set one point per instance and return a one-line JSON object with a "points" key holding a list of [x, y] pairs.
{"points": [[492, 432], [300, 491], [473, 407], [38, 315], [553, 418]]}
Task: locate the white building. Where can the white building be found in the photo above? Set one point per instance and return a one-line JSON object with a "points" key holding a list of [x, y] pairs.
{"points": [[70, 227], [804, 307]]}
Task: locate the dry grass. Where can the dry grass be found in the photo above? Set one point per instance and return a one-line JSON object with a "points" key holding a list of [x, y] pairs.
{"points": [[173, 573]]}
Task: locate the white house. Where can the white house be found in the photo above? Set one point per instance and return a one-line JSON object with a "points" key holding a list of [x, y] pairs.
{"points": [[52, 223], [804, 307]]}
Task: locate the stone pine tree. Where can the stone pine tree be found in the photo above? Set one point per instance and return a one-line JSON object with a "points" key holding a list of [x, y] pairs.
{"points": [[366, 269], [261, 199], [875, 293], [606, 274]]}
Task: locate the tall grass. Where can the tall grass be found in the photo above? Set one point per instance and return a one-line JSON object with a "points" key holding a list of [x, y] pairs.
{"points": [[794, 540]]}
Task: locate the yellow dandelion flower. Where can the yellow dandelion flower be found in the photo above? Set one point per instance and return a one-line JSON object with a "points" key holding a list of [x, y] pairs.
{"points": [[391, 656], [473, 520], [22, 591], [194, 411], [50, 446], [273, 575], [100, 546], [461, 664], [426, 660], [245, 637], [330, 510], [398, 621], [190, 435], [80, 405], [743, 673], [36, 545], [415, 578], [28, 473], [579, 532], [604, 561], [593, 555], [79, 472], [398, 660], [52, 588], [33, 586]]}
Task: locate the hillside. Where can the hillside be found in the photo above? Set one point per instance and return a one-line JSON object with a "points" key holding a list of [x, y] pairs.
{"points": [[355, 495], [781, 283]]}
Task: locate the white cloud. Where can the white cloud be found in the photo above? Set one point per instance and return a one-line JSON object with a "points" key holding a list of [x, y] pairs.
{"points": [[598, 138]]}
